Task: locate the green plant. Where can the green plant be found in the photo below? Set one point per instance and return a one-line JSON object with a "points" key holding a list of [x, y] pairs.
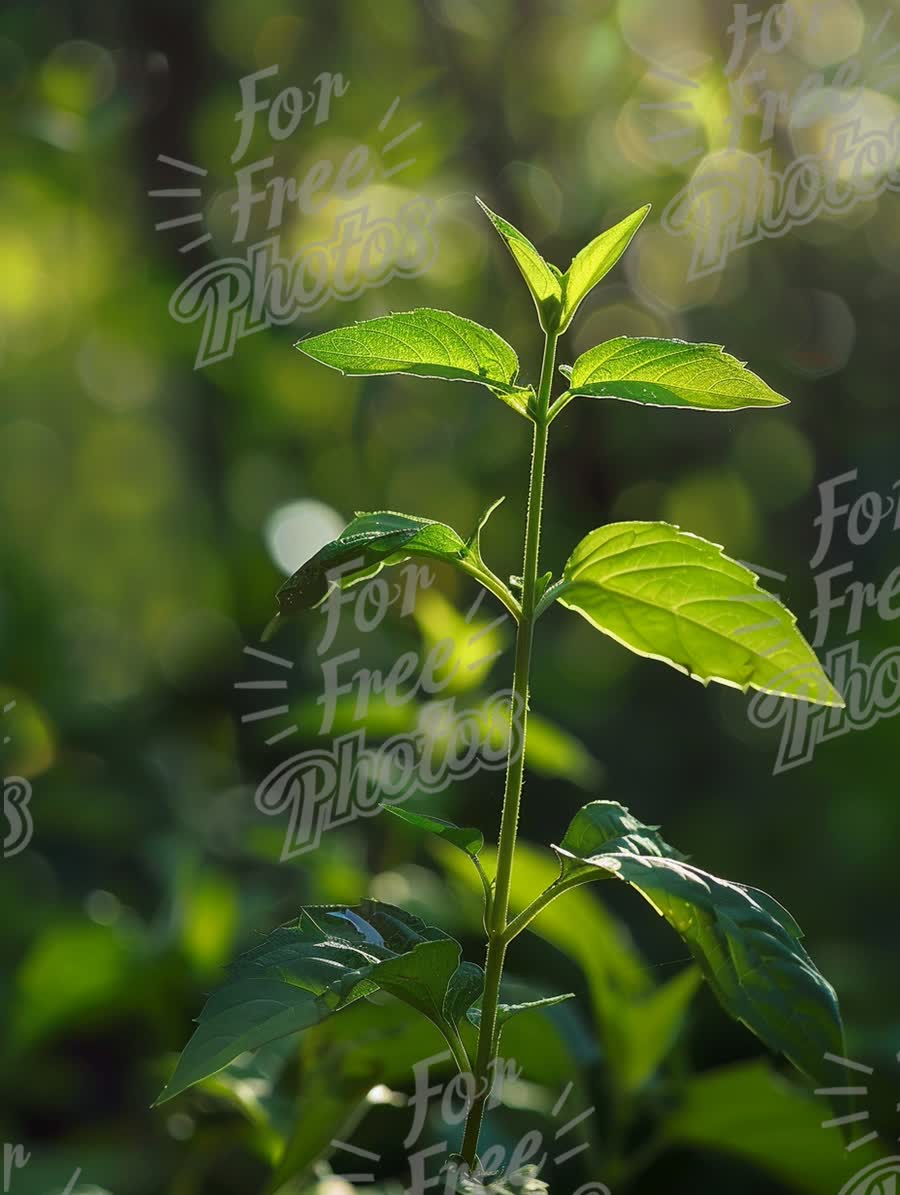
{"points": [[663, 593]]}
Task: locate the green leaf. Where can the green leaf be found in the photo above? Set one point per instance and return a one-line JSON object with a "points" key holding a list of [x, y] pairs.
{"points": [[542, 279], [306, 970], [654, 1023], [672, 596], [467, 838], [595, 261], [609, 825], [249, 1084], [462, 648], [242, 1015], [370, 542], [552, 751], [749, 1112], [581, 927], [425, 342], [464, 988], [506, 1011], [669, 373], [473, 543], [747, 946], [342, 1059]]}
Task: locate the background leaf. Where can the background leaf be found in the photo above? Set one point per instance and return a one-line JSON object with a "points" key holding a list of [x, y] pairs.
{"points": [[675, 597], [753, 1113], [669, 373], [654, 1023], [342, 1059]]}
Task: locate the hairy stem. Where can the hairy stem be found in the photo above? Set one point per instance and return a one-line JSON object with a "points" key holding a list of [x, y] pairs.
{"points": [[512, 795]]}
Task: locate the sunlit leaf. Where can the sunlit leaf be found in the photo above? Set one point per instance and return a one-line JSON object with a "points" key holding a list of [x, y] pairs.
{"points": [[747, 946], [425, 342], [675, 597], [595, 261], [541, 278], [669, 373]]}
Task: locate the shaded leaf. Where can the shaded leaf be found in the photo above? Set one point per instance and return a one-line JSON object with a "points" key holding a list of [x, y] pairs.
{"points": [[468, 838], [465, 987], [425, 342], [747, 946], [306, 970], [366, 545], [672, 596], [595, 261], [506, 1011], [669, 373]]}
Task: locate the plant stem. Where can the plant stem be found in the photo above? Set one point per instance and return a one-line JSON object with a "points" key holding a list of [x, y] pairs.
{"points": [[512, 795]]}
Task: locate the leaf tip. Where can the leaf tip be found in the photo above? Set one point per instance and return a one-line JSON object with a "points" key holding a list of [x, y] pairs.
{"points": [[271, 627]]}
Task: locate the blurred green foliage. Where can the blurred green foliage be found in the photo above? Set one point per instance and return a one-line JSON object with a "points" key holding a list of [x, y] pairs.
{"points": [[151, 509]]}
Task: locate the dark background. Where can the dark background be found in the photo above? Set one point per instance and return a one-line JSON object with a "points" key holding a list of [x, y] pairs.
{"points": [[140, 499]]}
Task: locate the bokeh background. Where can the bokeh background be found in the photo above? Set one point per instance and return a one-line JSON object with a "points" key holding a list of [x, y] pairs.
{"points": [[151, 509]]}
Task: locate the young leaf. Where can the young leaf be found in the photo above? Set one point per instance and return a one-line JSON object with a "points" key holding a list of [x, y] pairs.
{"points": [[382, 537], [542, 279], [464, 988], [372, 541], [595, 261], [669, 373], [746, 944], [672, 596], [467, 838], [429, 343], [473, 543], [505, 1011], [306, 970]]}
